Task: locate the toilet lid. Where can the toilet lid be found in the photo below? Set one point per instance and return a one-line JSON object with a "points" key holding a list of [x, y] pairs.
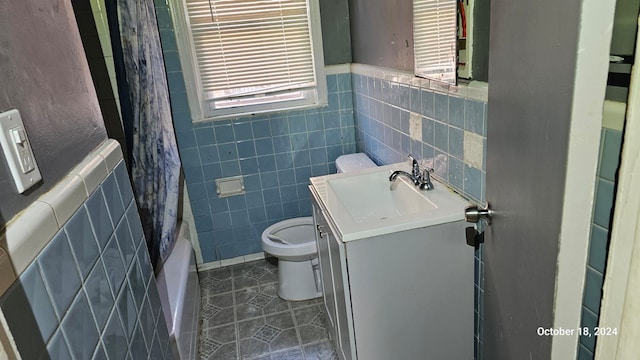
{"points": [[351, 162]]}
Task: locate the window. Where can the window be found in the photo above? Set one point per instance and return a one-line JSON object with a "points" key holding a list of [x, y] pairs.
{"points": [[434, 39], [250, 56]]}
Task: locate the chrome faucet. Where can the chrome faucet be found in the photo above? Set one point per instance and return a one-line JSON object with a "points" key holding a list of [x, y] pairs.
{"points": [[420, 178]]}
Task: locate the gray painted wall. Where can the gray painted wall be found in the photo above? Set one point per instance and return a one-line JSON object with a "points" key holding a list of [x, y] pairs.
{"points": [[336, 32], [44, 74], [99, 73], [382, 33], [481, 24], [623, 39], [531, 77]]}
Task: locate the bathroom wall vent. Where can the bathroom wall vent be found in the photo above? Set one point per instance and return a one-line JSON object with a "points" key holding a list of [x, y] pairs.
{"points": [[230, 186]]}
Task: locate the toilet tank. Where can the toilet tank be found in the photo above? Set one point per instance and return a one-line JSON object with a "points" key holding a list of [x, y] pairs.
{"points": [[351, 162]]}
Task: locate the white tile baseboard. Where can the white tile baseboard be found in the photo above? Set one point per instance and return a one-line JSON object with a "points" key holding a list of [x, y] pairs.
{"points": [[228, 262]]}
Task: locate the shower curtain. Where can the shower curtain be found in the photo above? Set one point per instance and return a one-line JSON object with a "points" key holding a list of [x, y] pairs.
{"points": [[146, 115]]}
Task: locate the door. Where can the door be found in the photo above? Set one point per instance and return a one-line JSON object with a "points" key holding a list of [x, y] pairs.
{"points": [[335, 290], [539, 101], [325, 269]]}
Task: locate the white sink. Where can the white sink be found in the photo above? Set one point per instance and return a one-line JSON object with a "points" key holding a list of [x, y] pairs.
{"points": [[370, 197], [364, 204]]}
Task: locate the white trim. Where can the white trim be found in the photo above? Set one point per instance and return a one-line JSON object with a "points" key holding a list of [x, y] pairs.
{"points": [[592, 64], [232, 261], [202, 110], [614, 112], [337, 69], [255, 256], [228, 262], [318, 52], [185, 49], [209, 265], [32, 229], [311, 99], [474, 90], [619, 307], [467, 71]]}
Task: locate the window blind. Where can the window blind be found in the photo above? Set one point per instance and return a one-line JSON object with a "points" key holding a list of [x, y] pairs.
{"points": [[251, 47], [434, 36]]}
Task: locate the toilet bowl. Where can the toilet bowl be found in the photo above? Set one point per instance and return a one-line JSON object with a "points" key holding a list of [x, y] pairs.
{"points": [[293, 242]]}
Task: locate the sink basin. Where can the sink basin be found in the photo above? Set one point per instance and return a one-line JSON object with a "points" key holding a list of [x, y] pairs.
{"points": [[371, 197], [363, 203]]}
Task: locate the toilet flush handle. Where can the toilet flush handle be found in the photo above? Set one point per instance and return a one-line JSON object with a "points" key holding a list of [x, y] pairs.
{"points": [[320, 232]]}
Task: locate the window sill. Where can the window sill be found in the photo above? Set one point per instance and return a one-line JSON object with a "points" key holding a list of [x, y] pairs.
{"points": [[264, 112]]}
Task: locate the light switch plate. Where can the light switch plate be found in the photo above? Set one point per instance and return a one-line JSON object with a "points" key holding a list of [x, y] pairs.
{"points": [[17, 151]]}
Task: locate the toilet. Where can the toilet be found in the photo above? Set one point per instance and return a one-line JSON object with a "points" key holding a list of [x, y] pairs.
{"points": [[293, 242]]}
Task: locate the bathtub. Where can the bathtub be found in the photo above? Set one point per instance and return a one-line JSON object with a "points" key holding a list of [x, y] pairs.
{"points": [[180, 296]]}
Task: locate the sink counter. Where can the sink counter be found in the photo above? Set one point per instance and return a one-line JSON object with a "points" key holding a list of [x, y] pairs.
{"points": [[363, 204]]}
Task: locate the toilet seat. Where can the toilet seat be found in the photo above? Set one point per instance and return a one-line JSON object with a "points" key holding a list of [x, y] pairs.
{"points": [[298, 232]]}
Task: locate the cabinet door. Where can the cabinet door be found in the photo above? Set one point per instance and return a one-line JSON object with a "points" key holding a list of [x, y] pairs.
{"points": [[335, 285], [346, 349], [325, 272]]}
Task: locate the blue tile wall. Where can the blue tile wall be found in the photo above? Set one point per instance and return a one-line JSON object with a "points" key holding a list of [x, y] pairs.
{"points": [[276, 154], [382, 110], [610, 144], [91, 286]]}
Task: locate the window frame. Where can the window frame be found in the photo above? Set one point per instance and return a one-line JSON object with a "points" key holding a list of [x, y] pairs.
{"points": [[199, 107], [442, 72]]}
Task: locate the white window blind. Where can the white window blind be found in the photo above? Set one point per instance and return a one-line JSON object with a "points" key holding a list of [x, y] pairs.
{"points": [[251, 51], [434, 37]]}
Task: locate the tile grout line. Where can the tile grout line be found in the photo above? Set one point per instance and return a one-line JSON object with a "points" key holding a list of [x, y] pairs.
{"points": [[295, 325], [235, 312]]}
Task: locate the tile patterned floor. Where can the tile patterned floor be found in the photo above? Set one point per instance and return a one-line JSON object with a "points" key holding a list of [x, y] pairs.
{"points": [[243, 318]]}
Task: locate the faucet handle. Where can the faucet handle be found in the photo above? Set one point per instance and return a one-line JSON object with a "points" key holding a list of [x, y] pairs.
{"points": [[425, 178], [415, 167], [426, 171]]}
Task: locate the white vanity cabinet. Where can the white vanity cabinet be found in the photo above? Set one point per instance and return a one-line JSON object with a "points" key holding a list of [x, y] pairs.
{"points": [[333, 270], [396, 295]]}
